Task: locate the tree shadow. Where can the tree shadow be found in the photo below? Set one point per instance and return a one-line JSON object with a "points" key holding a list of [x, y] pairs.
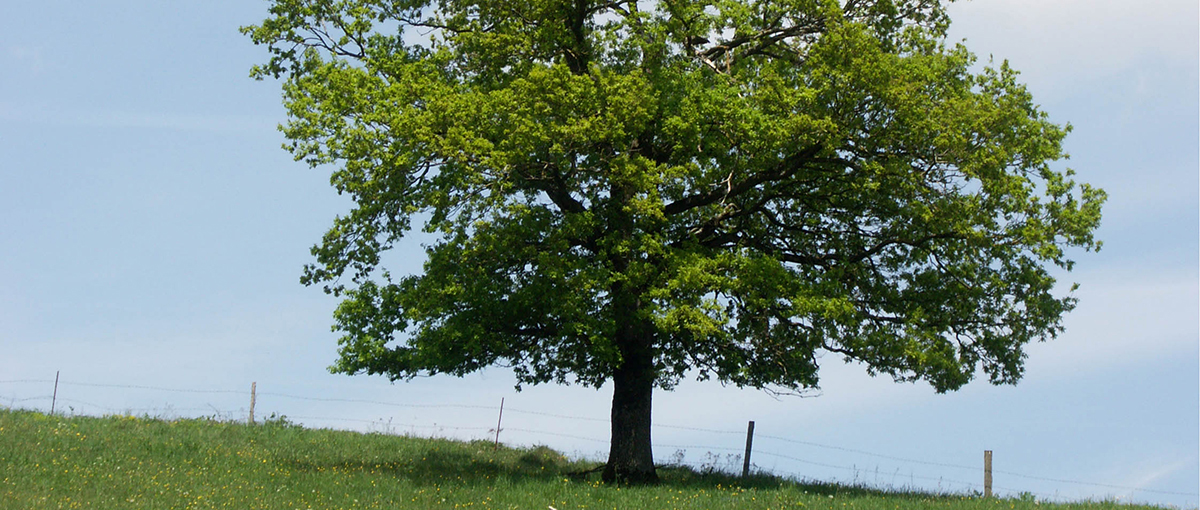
{"points": [[468, 465], [691, 478], [477, 463]]}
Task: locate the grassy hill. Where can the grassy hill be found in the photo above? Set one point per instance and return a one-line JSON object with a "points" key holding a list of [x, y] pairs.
{"points": [[124, 462]]}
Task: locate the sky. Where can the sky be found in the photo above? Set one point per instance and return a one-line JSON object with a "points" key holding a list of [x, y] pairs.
{"points": [[152, 235]]}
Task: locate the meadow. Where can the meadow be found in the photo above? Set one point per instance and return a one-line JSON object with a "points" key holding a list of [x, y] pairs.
{"points": [[123, 462]]}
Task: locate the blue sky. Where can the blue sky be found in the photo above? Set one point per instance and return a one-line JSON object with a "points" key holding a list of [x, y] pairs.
{"points": [[153, 233]]}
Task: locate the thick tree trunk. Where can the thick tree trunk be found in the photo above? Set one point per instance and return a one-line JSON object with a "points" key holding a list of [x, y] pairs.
{"points": [[630, 459]]}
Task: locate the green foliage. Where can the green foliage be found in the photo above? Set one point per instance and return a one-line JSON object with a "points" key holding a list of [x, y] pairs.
{"points": [[279, 421], [731, 187], [135, 463]]}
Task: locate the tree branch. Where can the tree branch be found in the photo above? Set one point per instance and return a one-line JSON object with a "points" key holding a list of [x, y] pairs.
{"points": [[762, 40], [551, 183], [783, 170]]}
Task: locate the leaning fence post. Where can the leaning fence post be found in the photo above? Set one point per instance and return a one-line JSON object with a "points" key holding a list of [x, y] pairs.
{"points": [[54, 399], [253, 397], [749, 442], [498, 419], [987, 473]]}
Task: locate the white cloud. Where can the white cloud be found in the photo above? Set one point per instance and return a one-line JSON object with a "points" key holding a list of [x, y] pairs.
{"points": [[1147, 475], [1124, 317], [1058, 43]]}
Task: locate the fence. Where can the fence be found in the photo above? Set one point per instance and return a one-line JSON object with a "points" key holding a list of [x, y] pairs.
{"points": [[734, 457]]}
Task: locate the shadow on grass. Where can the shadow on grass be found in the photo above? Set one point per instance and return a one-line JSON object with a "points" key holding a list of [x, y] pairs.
{"points": [[427, 462], [477, 464], [473, 464], [689, 477]]}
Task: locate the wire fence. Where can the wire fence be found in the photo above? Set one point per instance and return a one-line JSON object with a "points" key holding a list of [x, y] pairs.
{"points": [[732, 455]]}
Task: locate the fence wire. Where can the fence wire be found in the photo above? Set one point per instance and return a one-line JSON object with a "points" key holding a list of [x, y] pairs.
{"points": [[12, 400]]}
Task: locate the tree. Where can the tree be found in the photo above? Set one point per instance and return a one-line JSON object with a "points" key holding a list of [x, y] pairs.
{"points": [[637, 192]]}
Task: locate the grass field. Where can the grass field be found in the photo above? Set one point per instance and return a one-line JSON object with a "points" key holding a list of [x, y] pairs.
{"points": [[125, 462]]}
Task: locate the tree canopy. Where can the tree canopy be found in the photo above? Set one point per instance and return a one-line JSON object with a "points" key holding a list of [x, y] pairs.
{"points": [[636, 191]]}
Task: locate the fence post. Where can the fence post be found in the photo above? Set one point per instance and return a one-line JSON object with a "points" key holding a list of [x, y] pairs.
{"points": [[54, 399], [987, 473], [498, 419], [253, 397], [749, 442]]}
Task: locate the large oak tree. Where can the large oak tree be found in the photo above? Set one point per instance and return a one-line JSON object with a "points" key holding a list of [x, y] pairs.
{"points": [[636, 191]]}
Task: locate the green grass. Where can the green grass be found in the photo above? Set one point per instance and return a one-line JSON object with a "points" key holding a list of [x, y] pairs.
{"points": [[125, 462]]}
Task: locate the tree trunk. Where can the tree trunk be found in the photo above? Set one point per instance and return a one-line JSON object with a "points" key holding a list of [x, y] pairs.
{"points": [[630, 459]]}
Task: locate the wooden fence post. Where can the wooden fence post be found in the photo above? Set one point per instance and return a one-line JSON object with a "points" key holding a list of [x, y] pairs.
{"points": [[987, 473], [253, 397], [498, 420], [749, 442], [54, 399]]}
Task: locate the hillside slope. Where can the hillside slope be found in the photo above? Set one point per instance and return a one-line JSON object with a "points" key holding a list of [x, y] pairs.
{"points": [[135, 463]]}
